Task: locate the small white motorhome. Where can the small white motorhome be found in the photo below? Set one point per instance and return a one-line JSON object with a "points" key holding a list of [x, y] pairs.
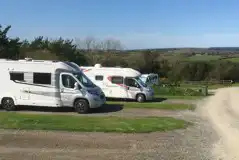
{"points": [[117, 82], [46, 83]]}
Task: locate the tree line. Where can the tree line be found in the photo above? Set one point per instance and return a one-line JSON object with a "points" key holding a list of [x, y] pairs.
{"points": [[109, 52]]}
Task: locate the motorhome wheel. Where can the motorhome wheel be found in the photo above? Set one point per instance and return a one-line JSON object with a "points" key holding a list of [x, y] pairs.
{"points": [[8, 104], [81, 106], [140, 98]]}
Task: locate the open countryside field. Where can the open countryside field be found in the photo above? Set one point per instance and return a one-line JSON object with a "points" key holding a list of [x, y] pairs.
{"points": [[199, 57], [236, 59], [204, 58]]}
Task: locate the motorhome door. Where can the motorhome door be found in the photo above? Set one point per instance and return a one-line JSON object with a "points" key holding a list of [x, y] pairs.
{"points": [[133, 87], [67, 85]]}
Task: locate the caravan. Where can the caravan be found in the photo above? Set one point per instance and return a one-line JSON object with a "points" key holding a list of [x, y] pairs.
{"points": [[117, 82], [46, 83]]}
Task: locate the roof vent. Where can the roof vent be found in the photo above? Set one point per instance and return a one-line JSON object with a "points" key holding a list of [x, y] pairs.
{"points": [[98, 66]]}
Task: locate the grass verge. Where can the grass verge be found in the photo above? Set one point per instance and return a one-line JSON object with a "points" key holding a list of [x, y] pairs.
{"points": [[154, 105], [178, 91], [217, 86], [12, 120], [180, 97]]}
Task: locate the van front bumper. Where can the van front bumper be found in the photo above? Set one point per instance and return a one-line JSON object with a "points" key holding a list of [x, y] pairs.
{"points": [[97, 102], [150, 96]]}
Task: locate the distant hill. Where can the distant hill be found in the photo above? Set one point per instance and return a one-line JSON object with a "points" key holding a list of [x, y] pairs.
{"points": [[224, 48], [210, 50]]}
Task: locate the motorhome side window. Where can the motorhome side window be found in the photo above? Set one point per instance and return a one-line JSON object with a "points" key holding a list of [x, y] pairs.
{"points": [[117, 80], [99, 78], [131, 82], [68, 81], [42, 78], [16, 76]]}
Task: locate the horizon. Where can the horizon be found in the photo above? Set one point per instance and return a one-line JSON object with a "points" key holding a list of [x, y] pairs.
{"points": [[137, 24]]}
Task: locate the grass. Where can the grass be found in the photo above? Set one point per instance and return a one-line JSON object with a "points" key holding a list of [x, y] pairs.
{"points": [[178, 91], [210, 86], [216, 86], [180, 97], [13, 120], [154, 105], [204, 58], [235, 59]]}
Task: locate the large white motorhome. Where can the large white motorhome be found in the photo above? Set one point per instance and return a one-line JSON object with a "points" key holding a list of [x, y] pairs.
{"points": [[117, 82], [46, 83]]}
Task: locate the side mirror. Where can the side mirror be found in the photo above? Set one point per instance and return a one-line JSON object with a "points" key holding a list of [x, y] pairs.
{"points": [[76, 86], [138, 86]]}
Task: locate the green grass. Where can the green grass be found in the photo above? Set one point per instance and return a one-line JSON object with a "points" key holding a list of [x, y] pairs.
{"points": [[180, 97], [13, 120], [154, 105], [235, 59], [204, 58], [216, 86], [177, 91]]}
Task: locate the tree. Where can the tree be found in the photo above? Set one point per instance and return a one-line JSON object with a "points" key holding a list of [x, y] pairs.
{"points": [[9, 47]]}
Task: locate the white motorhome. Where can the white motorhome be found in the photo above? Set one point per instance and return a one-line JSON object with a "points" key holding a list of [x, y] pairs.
{"points": [[46, 83], [118, 82]]}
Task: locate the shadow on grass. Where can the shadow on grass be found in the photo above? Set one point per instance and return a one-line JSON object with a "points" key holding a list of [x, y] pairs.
{"points": [[106, 108], [156, 99]]}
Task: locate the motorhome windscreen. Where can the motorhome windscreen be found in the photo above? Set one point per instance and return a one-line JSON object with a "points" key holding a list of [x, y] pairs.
{"points": [[143, 79], [84, 80], [140, 81]]}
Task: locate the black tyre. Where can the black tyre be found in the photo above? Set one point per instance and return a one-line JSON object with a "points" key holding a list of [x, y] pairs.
{"points": [[8, 104], [81, 106], [140, 98]]}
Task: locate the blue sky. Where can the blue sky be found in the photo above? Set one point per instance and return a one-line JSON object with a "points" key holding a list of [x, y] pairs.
{"points": [[136, 23]]}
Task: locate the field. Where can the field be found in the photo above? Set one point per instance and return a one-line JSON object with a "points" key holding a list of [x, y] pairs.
{"points": [[199, 57], [204, 58], [233, 59]]}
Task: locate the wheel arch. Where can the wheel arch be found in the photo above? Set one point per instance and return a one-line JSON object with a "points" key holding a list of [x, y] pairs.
{"points": [[140, 94], [79, 98], [2, 98]]}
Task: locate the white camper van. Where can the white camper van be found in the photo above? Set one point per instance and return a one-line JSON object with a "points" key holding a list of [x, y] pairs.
{"points": [[119, 82], [46, 83]]}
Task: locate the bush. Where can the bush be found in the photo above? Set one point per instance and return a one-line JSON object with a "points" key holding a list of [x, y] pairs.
{"points": [[177, 91]]}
